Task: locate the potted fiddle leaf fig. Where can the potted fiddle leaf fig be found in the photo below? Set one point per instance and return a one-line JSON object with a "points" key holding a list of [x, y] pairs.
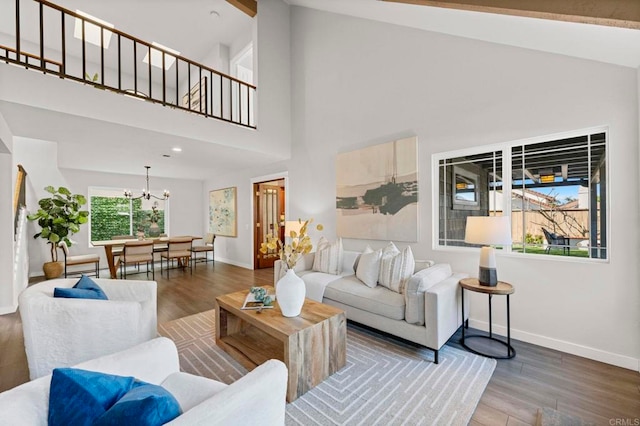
{"points": [[59, 216]]}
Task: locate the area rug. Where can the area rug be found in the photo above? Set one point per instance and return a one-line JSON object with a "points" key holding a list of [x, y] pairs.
{"points": [[385, 381]]}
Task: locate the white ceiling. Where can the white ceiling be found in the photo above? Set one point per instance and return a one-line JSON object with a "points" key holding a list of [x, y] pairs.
{"points": [[89, 144], [618, 46], [188, 27]]}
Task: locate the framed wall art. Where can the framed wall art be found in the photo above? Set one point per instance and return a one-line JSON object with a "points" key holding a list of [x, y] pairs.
{"points": [[223, 215], [377, 192]]}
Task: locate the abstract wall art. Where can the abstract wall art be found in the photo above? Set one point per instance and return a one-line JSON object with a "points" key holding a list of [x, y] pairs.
{"points": [[377, 192], [223, 217]]}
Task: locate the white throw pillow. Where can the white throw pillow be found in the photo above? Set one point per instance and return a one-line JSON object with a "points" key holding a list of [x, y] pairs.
{"points": [[396, 267], [328, 258], [369, 267]]}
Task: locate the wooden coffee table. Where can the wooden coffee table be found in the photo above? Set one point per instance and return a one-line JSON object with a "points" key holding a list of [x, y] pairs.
{"points": [[312, 345]]}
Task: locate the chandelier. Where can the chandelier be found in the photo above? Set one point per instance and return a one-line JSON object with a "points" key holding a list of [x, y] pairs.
{"points": [[146, 194]]}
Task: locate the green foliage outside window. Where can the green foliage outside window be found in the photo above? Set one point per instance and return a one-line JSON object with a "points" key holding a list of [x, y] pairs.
{"points": [[110, 216]]}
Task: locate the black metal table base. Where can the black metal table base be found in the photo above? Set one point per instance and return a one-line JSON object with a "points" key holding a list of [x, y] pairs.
{"points": [[511, 352]]}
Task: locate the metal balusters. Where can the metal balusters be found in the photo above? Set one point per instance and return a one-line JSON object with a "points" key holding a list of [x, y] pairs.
{"points": [[63, 67], [239, 103], [43, 65], [119, 64], [164, 81], [102, 55], [84, 53], [135, 68], [150, 96], [17, 31]]}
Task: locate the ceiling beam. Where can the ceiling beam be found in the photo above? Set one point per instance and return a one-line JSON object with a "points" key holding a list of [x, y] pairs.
{"points": [[250, 7], [612, 13]]}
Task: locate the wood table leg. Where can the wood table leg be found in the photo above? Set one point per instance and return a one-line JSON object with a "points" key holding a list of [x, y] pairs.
{"points": [[113, 269]]}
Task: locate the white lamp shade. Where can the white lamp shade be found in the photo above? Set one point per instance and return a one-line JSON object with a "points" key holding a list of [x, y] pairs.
{"points": [[488, 230], [292, 225]]}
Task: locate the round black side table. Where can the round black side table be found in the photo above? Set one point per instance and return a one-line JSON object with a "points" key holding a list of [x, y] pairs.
{"points": [[502, 289]]}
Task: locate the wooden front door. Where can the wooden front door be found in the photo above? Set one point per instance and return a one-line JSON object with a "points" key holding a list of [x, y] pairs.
{"points": [[269, 220]]}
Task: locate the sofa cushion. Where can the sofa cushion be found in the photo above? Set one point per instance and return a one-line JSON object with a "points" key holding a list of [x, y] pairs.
{"points": [[85, 288], [396, 267], [79, 397], [379, 300], [316, 282], [420, 282], [144, 405], [328, 258], [368, 267], [190, 390]]}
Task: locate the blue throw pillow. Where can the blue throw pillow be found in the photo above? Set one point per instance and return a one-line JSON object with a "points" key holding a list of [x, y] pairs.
{"points": [[144, 405], [79, 397], [85, 288]]}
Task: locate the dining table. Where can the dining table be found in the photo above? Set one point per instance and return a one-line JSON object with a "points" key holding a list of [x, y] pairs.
{"points": [[109, 245]]}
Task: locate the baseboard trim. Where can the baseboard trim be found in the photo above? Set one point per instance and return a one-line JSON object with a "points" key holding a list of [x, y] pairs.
{"points": [[561, 345], [233, 262], [4, 310]]}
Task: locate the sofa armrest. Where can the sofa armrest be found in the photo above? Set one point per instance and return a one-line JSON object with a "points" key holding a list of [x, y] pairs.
{"points": [[152, 361], [305, 263], [143, 292], [442, 310], [420, 282], [256, 399]]}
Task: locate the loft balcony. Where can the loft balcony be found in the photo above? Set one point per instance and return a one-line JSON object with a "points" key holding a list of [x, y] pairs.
{"points": [[51, 39]]}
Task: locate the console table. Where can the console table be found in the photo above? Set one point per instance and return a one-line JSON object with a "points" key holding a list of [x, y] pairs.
{"points": [[501, 289]]}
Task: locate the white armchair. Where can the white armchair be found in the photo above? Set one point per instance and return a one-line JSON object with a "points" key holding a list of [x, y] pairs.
{"points": [[256, 399], [61, 332]]}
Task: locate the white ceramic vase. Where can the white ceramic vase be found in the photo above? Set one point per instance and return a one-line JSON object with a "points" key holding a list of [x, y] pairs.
{"points": [[290, 292]]}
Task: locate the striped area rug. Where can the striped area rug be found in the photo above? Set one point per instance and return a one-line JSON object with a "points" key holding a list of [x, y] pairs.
{"points": [[384, 382]]}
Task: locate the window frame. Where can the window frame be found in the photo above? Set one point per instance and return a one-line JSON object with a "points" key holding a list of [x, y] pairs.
{"points": [[91, 189], [506, 152]]}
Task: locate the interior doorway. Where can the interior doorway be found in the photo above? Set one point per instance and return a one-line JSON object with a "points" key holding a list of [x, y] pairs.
{"points": [[269, 219]]}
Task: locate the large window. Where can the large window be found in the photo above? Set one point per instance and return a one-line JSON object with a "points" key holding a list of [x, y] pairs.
{"points": [[554, 190], [113, 214]]}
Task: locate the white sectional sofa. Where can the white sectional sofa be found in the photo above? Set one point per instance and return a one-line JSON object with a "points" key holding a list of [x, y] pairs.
{"points": [[427, 313], [256, 399]]}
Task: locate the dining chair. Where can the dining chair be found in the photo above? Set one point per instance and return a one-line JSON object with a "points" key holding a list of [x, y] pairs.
{"points": [[117, 251], [136, 252], [160, 247], [178, 248], [82, 259], [206, 248]]}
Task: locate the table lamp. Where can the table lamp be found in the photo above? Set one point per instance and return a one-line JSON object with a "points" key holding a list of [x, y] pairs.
{"points": [[488, 230]]}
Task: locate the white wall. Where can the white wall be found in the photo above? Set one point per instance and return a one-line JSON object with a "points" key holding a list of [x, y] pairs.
{"points": [[273, 79], [185, 204], [357, 82]]}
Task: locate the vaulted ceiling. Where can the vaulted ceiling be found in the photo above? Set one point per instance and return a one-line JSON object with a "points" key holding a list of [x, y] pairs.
{"points": [[194, 26]]}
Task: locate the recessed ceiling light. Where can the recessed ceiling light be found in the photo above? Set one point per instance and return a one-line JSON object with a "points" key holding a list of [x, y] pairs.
{"points": [[156, 56], [92, 31], [176, 149]]}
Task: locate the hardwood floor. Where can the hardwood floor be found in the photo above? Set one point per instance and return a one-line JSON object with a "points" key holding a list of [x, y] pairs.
{"points": [[537, 377]]}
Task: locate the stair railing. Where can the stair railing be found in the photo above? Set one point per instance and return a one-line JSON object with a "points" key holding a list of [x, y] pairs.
{"points": [[205, 91]]}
